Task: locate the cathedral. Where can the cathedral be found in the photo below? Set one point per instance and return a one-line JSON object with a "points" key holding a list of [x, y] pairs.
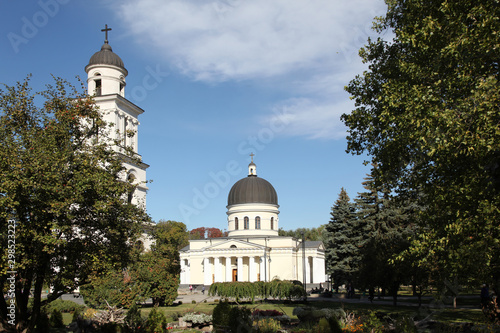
{"points": [[252, 251]]}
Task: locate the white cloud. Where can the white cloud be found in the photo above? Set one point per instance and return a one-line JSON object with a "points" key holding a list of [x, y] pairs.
{"points": [[311, 118], [221, 40], [307, 48]]}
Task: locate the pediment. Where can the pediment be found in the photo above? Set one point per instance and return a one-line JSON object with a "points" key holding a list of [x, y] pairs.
{"points": [[233, 244]]}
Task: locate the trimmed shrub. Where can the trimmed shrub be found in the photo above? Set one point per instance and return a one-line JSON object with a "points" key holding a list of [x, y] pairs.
{"points": [[240, 320], [133, 321], [156, 322], [56, 319], [64, 306], [220, 316]]}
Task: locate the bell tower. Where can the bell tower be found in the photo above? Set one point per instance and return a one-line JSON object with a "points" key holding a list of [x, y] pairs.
{"points": [[106, 83]]}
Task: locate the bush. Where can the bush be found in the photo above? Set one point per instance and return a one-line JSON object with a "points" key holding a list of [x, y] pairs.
{"points": [[64, 306], [134, 323], [220, 316], [197, 318], [268, 325], [56, 319], [193, 302], [240, 320], [156, 322], [308, 314]]}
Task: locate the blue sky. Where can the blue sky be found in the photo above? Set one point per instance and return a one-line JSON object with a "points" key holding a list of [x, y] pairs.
{"points": [[218, 79]]}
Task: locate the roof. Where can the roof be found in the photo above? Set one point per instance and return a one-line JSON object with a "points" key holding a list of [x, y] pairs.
{"points": [[252, 189], [313, 244], [106, 56]]}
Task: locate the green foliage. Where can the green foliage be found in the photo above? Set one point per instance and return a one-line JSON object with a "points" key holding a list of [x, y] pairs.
{"points": [[157, 272], [63, 188], [268, 325], [249, 290], [311, 314], [385, 228], [111, 287], [427, 114], [64, 306], [56, 319], [340, 239], [310, 234], [220, 315], [240, 319], [134, 323], [156, 322]]}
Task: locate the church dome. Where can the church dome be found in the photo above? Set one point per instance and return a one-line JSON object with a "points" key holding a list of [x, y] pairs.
{"points": [[106, 56], [252, 189]]}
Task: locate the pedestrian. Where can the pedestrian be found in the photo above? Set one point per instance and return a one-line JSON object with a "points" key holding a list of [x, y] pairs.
{"points": [[203, 290], [485, 296], [191, 288]]}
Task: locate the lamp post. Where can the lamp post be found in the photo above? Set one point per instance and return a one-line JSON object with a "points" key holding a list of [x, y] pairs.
{"points": [[304, 265]]}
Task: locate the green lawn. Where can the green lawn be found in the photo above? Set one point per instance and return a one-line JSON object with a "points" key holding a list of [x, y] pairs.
{"points": [[382, 310]]}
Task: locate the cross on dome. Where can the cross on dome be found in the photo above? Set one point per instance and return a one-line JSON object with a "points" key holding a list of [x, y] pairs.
{"points": [[106, 29]]}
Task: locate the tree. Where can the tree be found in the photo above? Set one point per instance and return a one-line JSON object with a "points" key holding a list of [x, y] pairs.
{"points": [[340, 235], [385, 228], [427, 114], [158, 271], [62, 196], [203, 233], [310, 234]]}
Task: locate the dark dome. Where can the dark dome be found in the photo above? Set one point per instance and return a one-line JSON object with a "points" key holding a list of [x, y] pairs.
{"points": [[252, 189], [106, 57]]}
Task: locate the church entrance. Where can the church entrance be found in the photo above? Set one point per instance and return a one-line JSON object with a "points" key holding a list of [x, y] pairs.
{"points": [[235, 275]]}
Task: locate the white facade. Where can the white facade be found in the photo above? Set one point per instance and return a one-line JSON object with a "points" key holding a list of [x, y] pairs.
{"points": [[253, 251]]}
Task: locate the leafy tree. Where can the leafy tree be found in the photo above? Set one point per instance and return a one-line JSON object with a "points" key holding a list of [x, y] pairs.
{"points": [[310, 234], [427, 114], [340, 235], [113, 287], [158, 271], [61, 188], [203, 233]]}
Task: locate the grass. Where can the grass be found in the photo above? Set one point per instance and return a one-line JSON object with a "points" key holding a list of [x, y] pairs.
{"points": [[445, 315]]}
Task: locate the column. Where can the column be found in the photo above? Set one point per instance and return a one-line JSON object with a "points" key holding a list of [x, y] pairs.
{"points": [[188, 272], [239, 262], [229, 271], [308, 270], [318, 270], [262, 269], [183, 272], [207, 271], [218, 269], [252, 272]]}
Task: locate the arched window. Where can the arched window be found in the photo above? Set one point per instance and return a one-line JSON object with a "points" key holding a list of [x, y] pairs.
{"points": [[257, 222], [235, 223], [232, 246], [272, 223], [131, 179], [247, 223]]}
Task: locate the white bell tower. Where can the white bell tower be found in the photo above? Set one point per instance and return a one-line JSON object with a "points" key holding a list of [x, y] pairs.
{"points": [[106, 82]]}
